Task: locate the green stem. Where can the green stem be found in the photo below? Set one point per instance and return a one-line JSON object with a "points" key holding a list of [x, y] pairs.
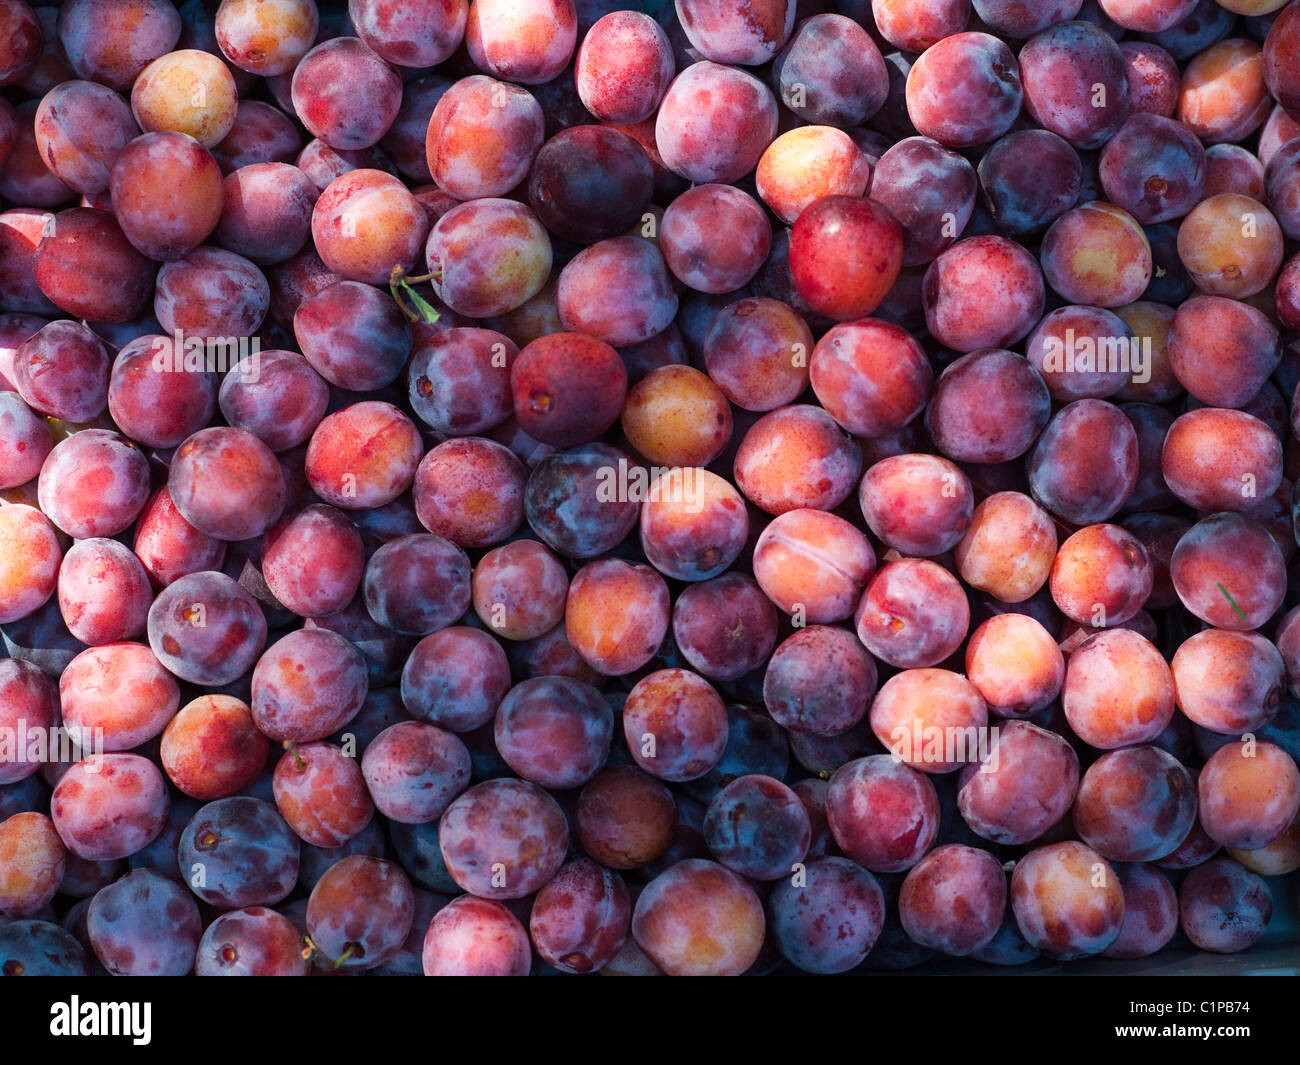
{"points": [[400, 285]]}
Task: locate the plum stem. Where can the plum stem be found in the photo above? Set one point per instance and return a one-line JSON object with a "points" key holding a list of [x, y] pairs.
{"points": [[399, 283], [312, 952]]}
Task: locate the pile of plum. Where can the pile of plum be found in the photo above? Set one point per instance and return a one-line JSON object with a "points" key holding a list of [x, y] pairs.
{"points": [[520, 486]]}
